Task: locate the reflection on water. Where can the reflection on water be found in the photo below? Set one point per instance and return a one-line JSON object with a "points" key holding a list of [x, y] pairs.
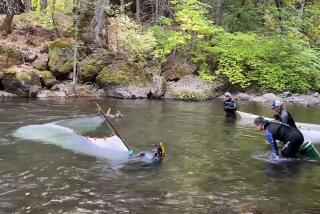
{"points": [[209, 166]]}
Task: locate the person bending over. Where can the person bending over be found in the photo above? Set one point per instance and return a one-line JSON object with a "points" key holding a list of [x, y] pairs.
{"points": [[156, 156], [291, 137]]}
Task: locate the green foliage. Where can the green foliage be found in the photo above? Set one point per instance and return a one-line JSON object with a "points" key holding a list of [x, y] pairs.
{"points": [[130, 39], [128, 74], [279, 58], [193, 27], [44, 17], [279, 63], [189, 96]]}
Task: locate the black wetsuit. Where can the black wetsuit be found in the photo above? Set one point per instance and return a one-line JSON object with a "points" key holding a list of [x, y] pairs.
{"points": [[285, 117], [230, 107], [290, 136]]}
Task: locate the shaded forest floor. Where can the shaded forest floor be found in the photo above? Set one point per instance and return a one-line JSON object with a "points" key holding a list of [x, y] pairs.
{"points": [[27, 37]]}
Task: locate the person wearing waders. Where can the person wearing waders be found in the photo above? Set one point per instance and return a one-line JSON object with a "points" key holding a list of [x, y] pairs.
{"points": [[290, 136], [230, 106], [281, 114]]}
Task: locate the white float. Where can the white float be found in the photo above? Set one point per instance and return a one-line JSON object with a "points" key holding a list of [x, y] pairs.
{"points": [[310, 131]]}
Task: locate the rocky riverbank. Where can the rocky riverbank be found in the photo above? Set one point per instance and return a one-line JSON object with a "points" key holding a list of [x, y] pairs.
{"points": [[48, 71], [310, 99], [40, 66]]}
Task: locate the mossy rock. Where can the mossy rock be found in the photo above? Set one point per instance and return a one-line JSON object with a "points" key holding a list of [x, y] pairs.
{"points": [[191, 87], [124, 74], [48, 79], [61, 57], [177, 67], [92, 65], [41, 63], [189, 95], [19, 80], [32, 40], [9, 57]]}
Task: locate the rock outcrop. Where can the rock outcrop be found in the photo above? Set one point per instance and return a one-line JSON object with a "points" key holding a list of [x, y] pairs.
{"points": [[191, 87], [92, 65], [61, 57], [20, 80], [41, 63]]}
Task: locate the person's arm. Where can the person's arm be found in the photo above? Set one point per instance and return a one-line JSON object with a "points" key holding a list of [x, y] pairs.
{"points": [[272, 142], [284, 117], [108, 112], [235, 105], [225, 106]]}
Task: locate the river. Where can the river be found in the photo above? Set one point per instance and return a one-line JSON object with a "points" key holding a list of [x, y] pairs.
{"points": [[209, 165]]}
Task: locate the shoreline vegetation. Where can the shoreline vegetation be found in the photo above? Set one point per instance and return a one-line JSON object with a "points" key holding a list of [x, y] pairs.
{"points": [[187, 50]]}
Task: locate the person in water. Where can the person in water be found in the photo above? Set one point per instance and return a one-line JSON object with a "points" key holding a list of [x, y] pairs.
{"points": [[230, 106], [281, 114], [156, 156], [117, 115], [291, 137]]}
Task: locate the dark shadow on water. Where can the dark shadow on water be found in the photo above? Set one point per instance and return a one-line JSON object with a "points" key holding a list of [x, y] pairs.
{"points": [[229, 129], [283, 170]]}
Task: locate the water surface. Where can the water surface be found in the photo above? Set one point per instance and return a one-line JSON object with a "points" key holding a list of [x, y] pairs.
{"points": [[208, 168]]}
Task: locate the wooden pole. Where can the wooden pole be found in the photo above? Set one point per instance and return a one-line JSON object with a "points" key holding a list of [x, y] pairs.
{"points": [[115, 131]]}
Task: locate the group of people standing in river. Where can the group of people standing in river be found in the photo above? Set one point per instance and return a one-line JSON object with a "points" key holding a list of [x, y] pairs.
{"points": [[283, 128]]}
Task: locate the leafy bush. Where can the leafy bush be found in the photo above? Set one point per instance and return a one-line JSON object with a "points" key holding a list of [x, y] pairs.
{"points": [[280, 63], [128, 37]]}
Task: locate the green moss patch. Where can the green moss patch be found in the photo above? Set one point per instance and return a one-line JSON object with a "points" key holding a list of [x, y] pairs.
{"points": [[9, 58], [128, 74]]}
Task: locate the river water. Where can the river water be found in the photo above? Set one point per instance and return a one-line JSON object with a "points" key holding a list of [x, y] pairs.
{"points": [[209, 167]]}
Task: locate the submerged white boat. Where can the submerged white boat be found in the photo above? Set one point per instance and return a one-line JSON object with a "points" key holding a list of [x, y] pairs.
{"points": [[310, 131], [110, 148]]}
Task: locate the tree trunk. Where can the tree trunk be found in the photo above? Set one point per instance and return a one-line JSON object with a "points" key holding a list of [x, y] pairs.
{"points": [[122, 6], [301, 9], [76, 45], [99, 23], [44, 4], [138, 10], [53, 16], [157, 10], [6, 25], [218, 12], [27, 5]]}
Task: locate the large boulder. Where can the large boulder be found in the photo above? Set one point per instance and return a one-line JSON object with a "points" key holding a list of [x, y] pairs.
{"points": [[67, 89], [48, 79], [41, 63], [9, 57], [123, 73], [61, 57], [178, 66], [91, 66], [20, 80], [30, 57], [270, 97], [49, 94], [128, 92], [157, 86], [130, 80], [243, 96], [191, 87], [5, 95]]}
